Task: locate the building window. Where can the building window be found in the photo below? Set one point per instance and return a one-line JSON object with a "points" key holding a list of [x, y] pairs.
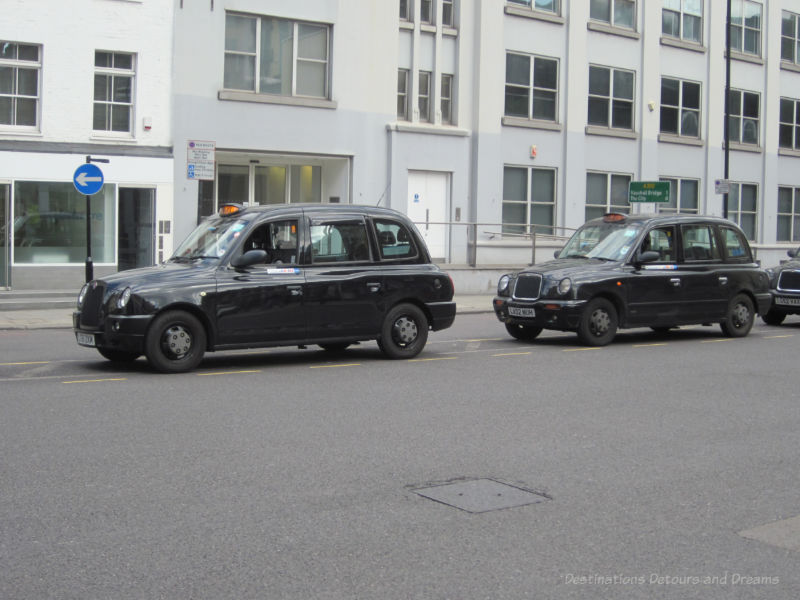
{"points": [[606, 192], [402, 94], [746, 26], [424, 96], [789, 132], [113, 91], [683, 19], [790, 37], [405, 10], [447, 99], [742, 207], [50, 223], [552, 6], [610, 97], [426, 11], [684, 195], [680, 107], [20, 66], [448, 18], [744, 111], [529, 200], [620, 13], [788, 214], [531, 87], [275, 56]]}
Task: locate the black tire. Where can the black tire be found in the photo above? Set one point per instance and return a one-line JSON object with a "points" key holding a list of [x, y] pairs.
{"points": [[335, 347], [404, 332], [739, 318], [175, 342], [773, 318], [525, 333], [598, 323], [118, 356]]}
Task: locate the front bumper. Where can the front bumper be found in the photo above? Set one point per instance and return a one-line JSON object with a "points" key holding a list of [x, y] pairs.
{"points": [[783, 302], [442, 314], [115, 332], [563, 315]]}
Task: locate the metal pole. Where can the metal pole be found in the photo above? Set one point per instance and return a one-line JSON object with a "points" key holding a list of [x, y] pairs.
{"points": [[727, 108], [89, 265]]}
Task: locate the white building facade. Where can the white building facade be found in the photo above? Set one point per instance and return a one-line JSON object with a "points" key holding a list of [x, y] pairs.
{"points": [[484, 120], [77, 79]]}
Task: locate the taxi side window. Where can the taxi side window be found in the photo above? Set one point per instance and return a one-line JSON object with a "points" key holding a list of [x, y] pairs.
{"points": [[699, 243], [339, 242], [394, 240], [278, 239], [662, 241], [735, 246]]}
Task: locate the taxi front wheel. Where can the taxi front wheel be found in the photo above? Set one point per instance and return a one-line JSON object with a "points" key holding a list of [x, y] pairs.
{"points": [[404, 332], [175, 342], [598, 323], [524, 333], [740, 317]]}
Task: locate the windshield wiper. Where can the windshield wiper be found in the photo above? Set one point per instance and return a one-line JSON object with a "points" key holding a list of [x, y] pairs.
{"points": [[576, 256]]}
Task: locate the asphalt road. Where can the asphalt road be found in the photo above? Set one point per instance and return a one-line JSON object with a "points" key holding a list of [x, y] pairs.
{"points": [[651, 465]]}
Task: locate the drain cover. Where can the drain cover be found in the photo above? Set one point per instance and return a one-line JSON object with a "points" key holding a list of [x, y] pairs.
{"points": [[480, 495]]}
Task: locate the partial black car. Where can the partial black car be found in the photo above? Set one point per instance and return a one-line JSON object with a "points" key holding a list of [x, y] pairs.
{"points": [[625, 271], [784, 286], [331, 275]]}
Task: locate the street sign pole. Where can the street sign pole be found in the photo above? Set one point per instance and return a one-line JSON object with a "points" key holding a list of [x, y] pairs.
{"points": [[89, 271]]}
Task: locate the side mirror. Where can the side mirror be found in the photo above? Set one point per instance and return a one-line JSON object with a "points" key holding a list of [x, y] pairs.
{"points": [[251, 257], [557, 252], [793, 252], [647, 257]]}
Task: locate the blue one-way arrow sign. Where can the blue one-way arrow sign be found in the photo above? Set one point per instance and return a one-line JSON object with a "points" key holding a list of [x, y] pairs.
{"points": [[88, 179]]}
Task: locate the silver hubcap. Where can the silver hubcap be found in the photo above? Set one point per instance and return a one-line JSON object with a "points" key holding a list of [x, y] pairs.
{"points": [[600, 322], [404, 330], [177, 341], [740, 315]]}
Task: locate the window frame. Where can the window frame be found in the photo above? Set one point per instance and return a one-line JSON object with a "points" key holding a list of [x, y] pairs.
{"points": [[681, 108], [742, 29], [429, 7], [793, 125], [793, 215], [446, 99], [296, 60], [113, 72], [448, 16], [738, 119], [15, 64], [612, 99], [425, 115], [406, 12], [735, 213], [794, 39], [677, 184], [529, 202], [612, 14], [533, 5], [531, 88], [608, 207], [404, 76], [682, 14]]}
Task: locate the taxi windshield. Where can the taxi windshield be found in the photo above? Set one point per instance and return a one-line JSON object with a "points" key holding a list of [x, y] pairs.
{"points": [[211, 239], [605, 241]]}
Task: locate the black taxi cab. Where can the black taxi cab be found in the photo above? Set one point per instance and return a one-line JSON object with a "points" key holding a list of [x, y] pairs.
{"points": [[331, 275], [625, 271], [784, 285]]}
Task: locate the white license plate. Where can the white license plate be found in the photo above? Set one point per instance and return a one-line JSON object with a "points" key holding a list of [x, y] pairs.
{"points": [[85, 339], [787, 301], [516, 311]]}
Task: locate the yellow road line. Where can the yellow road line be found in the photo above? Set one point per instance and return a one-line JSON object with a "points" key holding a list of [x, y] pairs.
{"points": [[335, 366], [512, 354], [228, 373], [580, 349], [649, 345], [717, 341], [773, 337], [430, 359], [97, 380], [15, 364]]}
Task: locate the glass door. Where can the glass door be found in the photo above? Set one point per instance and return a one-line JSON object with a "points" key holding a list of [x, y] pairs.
{"points": [[5, 227], [136, 228]]}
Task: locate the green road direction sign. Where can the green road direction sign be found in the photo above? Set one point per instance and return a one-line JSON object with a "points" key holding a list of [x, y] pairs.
{"points": [[648, 191]]}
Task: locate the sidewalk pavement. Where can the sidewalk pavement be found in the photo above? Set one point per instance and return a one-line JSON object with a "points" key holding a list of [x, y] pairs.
{"points": [[55, 318]]}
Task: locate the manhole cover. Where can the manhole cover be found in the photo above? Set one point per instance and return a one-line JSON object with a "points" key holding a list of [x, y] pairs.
{"points": [[480, 495]]}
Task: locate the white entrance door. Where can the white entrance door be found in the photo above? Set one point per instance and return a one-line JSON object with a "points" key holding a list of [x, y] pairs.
{"points": [[428, 195]]}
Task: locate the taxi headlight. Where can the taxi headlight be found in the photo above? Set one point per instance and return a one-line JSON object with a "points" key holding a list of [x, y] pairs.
{"points": [[502, 284], [564, 286], [123, 299], [82, 294]]}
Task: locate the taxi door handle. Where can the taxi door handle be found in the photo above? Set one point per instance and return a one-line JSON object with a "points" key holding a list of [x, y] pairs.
{"points": [[373, 287], [676, 281], [295, 290], [723, 280]]}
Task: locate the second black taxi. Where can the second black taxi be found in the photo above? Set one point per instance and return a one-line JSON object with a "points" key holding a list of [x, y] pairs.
{"points": [[784, 283], [331, 275], [620, 271]]}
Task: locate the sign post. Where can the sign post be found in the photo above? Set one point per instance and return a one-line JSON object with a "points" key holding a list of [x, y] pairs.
{"points": [[88, 180], [648, 191]]}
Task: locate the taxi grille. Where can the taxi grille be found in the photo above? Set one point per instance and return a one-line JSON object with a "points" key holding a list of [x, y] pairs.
{"points": [[528, 287], [92, 306], [789, 281]]}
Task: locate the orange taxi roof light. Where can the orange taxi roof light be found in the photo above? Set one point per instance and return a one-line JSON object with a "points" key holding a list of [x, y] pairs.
{"points": [[229, 209], [613, 217]]}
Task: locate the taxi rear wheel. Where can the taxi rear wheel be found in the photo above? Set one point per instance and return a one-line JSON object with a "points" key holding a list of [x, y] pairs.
{"points": [[523, 332], [598, 323], [119, 356], [175, 342], [740, 317], [404, 332]]}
